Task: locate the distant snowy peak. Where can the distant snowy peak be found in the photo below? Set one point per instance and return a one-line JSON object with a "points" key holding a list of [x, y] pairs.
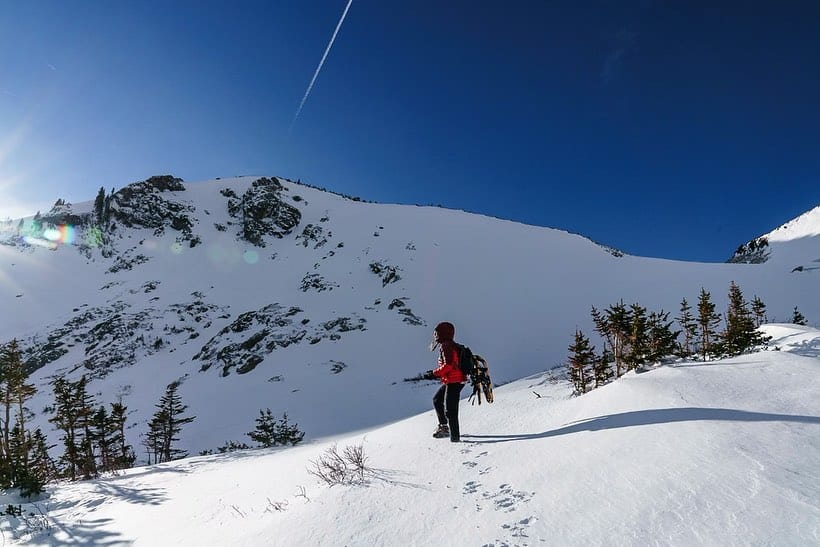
{"points": [[797, 235], [806, 225]]}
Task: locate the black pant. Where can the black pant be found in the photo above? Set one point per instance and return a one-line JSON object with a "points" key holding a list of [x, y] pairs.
{"points": [[445, 401]]}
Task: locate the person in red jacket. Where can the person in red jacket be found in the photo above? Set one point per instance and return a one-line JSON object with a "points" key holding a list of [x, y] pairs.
{"points": [[449, 372]]}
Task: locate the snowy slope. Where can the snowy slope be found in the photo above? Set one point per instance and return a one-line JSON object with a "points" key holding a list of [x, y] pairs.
{"points": [[338, 337], [723, 453]]}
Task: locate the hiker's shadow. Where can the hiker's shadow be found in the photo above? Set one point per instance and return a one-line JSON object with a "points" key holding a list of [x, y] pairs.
{"points": [[649, 417]]}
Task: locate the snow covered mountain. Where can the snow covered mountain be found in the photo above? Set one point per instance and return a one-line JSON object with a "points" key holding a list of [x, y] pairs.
{"points": [[263, 293], [792, 243], [723, 453]]}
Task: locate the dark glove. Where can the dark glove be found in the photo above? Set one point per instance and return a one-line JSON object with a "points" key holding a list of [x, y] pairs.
{"points": [[428, 375]]}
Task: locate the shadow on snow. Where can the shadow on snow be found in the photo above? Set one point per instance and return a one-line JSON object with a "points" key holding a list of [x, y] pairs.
{"points": [[650, 417]]}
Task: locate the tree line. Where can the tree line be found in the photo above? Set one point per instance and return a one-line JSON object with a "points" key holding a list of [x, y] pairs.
{"points": [[634, 336], [92, 436]]}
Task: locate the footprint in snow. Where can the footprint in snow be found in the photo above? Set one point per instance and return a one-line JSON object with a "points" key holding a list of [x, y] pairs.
{"points": [[506, 499]]}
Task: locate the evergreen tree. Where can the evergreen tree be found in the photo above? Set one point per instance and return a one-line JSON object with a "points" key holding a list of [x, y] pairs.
{"points": [[797, 317], [603, 328], [638, 338], [73, 412], [286, 433], [41, 467], [602, 368], [102, 438], [740, 334], [14, 454], [708, 322], [166, 425], [99, 206], [65, 419], [265, 432], [619, 320], [662, 339], [759, 311], [688, 327], [581, 359], [106, 217], [123, 456]]}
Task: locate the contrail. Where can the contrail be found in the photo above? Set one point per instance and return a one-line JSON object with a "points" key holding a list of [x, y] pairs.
{"points": [[318, 68]]}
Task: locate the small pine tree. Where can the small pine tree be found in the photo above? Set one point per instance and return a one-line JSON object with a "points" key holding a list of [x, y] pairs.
{"points": [[662, 339], [740, 334], [619, 320], [123, 456], [166, 425], [265, 432], [759, 311], [99, 206], [708, 322], [581, 359], [638, 338], [41, 466], [797, 317], [270, 432], [689, 328], [102, 438], [14, 452], [602, 368], [286, 433]]}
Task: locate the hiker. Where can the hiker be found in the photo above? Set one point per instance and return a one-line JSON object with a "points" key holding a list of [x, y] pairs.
{"points": [[449, 372]]}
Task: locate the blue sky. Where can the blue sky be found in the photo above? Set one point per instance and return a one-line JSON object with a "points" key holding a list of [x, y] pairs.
{"points": [[669, 129]]}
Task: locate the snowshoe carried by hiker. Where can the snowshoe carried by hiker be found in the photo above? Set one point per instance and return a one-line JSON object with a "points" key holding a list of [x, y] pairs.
{"points": [[480, 379]]}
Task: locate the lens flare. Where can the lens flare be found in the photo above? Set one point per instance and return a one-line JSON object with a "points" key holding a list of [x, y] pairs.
{"points": [[63, 234], [251, 257]]}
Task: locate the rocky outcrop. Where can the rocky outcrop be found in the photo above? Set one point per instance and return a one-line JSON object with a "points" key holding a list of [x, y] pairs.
{"points": [[245, 343], [387, 273], [115, 336], [261, 211], [143, 205], [754, 252]]}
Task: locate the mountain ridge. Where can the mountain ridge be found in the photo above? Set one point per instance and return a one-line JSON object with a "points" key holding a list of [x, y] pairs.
{"points": [[223, 287]]}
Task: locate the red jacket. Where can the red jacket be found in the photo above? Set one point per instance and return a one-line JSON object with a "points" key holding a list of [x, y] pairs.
{"points": [[448, 369]]}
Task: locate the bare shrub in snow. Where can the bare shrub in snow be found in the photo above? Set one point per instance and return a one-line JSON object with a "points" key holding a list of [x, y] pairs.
{"points": [[348, 467]]}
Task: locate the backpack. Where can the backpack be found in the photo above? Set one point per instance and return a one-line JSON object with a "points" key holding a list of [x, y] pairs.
{"points": [[476, 369], [466, 360]]}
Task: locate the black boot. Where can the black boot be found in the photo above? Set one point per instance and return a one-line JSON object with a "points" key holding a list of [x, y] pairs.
{"points": [[442, 432]]}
